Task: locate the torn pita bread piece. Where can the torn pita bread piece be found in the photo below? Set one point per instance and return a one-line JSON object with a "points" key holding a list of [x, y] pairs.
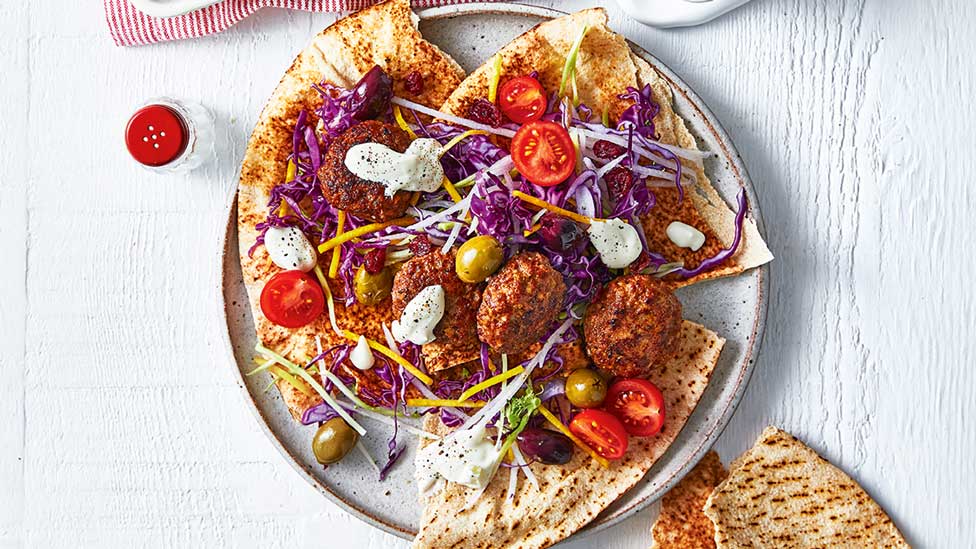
{"points": [[681, 523], [780, 493], [605, 68], [705, 210], [568, 496], [384, 35]]}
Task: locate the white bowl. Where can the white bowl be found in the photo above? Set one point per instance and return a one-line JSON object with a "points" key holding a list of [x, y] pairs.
{"points": [[170, 8], [677, 13]]}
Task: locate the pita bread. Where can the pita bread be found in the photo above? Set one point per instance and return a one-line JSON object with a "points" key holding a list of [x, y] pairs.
{"points": [[385, 35], [681, 523], [781, 493], [706, 210], [571, 495], [605, 68]]}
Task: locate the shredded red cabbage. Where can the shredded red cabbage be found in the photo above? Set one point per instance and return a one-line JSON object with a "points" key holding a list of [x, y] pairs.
{"points": [[727, 253], [320, 413], [640, 114], [475, 153]]}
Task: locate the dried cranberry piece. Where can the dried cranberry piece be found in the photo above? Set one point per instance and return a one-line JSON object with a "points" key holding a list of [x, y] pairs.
{"points": [[421, 246], [375, 260], [619, 180], [558, 233], [414, 83], [607, 150], [485, 112], [642, 262]]}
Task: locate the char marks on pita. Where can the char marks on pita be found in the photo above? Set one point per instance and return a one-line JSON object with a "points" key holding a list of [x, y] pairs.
{"points": [[384, 35], [781, 493], [682, 524]]}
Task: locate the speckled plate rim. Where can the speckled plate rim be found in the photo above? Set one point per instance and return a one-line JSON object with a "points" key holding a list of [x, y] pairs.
{"points": [[745, 367]]}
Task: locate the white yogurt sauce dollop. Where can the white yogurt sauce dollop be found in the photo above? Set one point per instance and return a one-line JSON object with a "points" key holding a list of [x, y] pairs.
{"points": [[361, 355], [617, 242], [289, 249], [464, 457], [685, 236], [420, 316], [417, 169]]}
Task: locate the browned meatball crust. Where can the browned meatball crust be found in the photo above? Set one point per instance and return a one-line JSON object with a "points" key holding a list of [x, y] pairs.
{"points": [[357, 196], [520, 303], [631, 325], [456, 335]]}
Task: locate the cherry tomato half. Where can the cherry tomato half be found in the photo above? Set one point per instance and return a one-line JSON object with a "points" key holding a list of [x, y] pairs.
{"points": [[543, 153], [292, 299], [522, 99], [638, 404], [601, 431]]}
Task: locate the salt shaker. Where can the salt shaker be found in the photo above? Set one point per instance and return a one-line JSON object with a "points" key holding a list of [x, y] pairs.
{"points": [[169, 136]]}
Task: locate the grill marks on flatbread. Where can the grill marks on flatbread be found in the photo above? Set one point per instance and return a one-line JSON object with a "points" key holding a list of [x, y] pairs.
{"points": [[384, 35], [571, 495], [681, 523], [781, 493]]}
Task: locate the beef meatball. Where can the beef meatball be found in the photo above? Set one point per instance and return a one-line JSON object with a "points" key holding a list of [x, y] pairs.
{"points": [[357, 196], [631, 325], [520, 303], [456, 335]]}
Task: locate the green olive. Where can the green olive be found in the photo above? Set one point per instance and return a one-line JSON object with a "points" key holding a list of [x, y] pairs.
{"points": [[334, 439], [478, 258], [371, 289], [586, 388]]}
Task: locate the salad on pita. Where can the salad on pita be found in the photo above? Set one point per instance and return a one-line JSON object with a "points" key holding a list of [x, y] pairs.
{"points": [[484, 267]]}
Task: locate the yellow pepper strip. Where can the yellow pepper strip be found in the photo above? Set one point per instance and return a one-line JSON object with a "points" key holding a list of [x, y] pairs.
{"points": [[440, 403], [562, 429], [494, 380], [459, 138], [496, 75], [280, 373], [552, 208], [334, 265], [532, 229], [605, 118], [403, 123], [451, 190], [364, 230], [289, 176], [392, 355]]}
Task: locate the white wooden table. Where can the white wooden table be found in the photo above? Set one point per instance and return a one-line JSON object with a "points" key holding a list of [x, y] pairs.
{"points": [[121, 425]]}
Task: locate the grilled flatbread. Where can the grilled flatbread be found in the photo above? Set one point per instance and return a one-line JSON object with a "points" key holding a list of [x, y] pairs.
{"points": [[384, 35], [605, 68], [681, 523], [781, 493], [571, 495]]}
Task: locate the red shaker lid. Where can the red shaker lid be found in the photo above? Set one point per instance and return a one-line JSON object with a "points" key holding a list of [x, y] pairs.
{"points": [[156, 135]]}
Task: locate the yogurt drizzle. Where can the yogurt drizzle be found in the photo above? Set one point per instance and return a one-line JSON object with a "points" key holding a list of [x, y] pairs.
{"points": [[617, 242], [417, 169], [465, 457], [420, 316], [685, 236], [289, 249]]}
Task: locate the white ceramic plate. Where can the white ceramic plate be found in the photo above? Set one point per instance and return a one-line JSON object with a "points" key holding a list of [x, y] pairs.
{"points": [[170, 8], [735, 308]]}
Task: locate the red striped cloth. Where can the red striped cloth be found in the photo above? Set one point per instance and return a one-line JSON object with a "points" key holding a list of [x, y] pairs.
{"points": [[131, 27]]}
